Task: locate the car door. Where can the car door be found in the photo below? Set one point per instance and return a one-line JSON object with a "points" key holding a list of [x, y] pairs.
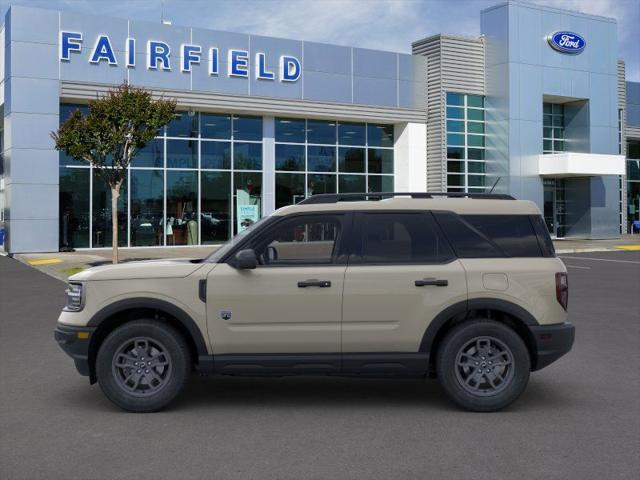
{"points": [[291, 303], [402, 273]]}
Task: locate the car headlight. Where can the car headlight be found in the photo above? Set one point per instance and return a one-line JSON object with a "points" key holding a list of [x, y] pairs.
{"points": [[75, 299]]}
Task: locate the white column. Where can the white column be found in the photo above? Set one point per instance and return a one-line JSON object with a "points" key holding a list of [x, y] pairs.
{"points": [[268, 166], [410, 157]]}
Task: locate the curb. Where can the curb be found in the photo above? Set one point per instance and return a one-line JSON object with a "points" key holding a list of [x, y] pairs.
{"points": [[561, 251], [46, 271]]}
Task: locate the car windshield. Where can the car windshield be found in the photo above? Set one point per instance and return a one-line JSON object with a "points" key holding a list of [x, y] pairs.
{"points": [[225, 248]]}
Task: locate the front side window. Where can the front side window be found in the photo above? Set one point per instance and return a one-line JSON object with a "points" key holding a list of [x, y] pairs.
{"points": [[300, 241], [398, 238]]}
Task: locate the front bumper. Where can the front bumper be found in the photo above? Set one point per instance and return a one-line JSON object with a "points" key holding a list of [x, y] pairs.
{"points": [[75, 343], [552, 342]]}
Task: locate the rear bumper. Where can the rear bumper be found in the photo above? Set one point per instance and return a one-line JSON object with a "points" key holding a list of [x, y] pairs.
{"points": [[74, 345], [552, 342]]}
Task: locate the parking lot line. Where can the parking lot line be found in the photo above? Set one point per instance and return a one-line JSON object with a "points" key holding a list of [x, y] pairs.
{"points": [[600, 259], [576, 266], [47, 261]]}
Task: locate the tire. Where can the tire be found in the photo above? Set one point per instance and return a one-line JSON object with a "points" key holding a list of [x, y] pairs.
{"points": [[166, 361], [483, 365]]}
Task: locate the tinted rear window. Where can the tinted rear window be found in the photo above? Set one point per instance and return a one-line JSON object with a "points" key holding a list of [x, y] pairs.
{"points": [[514, 234], [544, 239], [466, 240], [394, 238]]}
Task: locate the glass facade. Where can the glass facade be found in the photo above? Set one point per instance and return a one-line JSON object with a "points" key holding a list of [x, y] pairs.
{"points": [[181, 189], [552, 128], [633, 182], [465, 130], [323, 156], [184, 187]]}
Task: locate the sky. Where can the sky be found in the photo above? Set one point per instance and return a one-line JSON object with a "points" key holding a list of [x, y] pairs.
{"points": [[378, 24]]}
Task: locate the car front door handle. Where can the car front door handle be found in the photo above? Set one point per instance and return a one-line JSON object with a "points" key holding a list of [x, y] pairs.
{"points": [[314, 283], [426, 282]]}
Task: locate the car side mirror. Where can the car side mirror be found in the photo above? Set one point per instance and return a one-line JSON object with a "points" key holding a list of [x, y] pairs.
{"points": [[245, 260]]}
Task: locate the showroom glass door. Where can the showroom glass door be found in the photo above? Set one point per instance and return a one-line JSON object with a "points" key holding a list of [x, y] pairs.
{"points": [[555, 207]]}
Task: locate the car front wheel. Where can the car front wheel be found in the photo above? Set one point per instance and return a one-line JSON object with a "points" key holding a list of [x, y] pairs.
{"points": [[483, 365], [143, 365]]}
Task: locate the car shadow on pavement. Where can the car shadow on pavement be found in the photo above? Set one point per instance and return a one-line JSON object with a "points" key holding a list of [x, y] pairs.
{"points": [[203, 393]]}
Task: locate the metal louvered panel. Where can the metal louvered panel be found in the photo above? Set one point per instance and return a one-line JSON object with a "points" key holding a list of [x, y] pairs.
{"points": [[633, 132], [259, 105], [463, 64], [454, 64], [431, 48], [622, 101], [622, 86]]}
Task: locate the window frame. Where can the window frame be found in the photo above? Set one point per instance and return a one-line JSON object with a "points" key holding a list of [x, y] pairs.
{"points": [[355, 254], [562, 128], [337, 147], [458, 110]]}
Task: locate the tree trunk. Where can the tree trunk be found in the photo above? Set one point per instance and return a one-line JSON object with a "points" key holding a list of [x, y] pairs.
{"points": [[115, 194]]}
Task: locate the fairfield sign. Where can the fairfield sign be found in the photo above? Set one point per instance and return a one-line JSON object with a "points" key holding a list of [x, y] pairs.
{"points": [[159, 56]]}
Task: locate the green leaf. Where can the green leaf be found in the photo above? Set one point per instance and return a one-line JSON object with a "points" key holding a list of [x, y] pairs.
{"points": [[117, 126]]}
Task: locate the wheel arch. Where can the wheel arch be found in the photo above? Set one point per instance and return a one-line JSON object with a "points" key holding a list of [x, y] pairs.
{"points": [[123, 311], [500, 310]]}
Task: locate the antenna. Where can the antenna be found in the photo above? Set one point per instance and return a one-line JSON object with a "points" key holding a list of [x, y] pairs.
{"points": [[494, 185], [162, 19]]}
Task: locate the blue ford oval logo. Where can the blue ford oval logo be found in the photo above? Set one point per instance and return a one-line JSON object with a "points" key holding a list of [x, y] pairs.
{"points": [[567, 42]]}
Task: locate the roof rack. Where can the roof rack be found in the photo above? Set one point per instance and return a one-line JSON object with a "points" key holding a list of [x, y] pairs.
{"points": [[337, 197]]}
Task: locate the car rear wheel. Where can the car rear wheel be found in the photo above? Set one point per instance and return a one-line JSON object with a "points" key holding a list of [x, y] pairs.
{"points": [[483, 365], [143, 365]]}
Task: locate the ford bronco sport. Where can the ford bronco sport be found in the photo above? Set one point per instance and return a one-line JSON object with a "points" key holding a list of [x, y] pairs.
{"points": [[463, 287]]}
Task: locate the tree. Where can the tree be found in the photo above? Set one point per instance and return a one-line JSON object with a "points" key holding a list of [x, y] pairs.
{"points": [[117, 126]]}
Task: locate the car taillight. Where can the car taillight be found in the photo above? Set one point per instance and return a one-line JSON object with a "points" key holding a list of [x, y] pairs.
{"points": [[562, 289]]}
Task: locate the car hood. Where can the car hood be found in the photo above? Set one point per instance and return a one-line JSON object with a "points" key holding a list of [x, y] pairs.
{"points": [[174, 268]]}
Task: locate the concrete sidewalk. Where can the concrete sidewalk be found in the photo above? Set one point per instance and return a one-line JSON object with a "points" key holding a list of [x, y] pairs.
{"points": [[626, 242], [64, 264]]}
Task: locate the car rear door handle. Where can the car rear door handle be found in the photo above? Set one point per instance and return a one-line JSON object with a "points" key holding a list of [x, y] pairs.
{"points": [[426, 282], [314, 283]]}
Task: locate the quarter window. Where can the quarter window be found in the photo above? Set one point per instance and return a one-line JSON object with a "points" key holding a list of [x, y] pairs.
{"points": [[392, 238], [467, 241], [514, 234], [492, 236]]}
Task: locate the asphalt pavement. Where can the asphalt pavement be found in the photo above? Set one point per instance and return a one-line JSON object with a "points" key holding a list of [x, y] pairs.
{"points": [[578, 419]]}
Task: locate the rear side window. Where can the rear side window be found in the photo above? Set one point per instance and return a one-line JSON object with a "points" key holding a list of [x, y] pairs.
{"points": [[396, 238], [544, 239], [514, 234], [467, 241]]}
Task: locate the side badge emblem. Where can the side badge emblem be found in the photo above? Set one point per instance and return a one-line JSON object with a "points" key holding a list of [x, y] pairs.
{"points": [[225, 314]]}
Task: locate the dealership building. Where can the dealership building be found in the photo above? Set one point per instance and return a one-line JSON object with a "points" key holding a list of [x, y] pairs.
{"points": [[536, 107]]}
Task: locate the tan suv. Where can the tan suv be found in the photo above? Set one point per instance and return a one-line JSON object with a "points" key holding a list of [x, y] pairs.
{"points": [[463, 287]]}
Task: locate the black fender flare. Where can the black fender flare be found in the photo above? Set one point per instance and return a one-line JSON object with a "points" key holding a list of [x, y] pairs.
{"points": [[156, 304], [464, 307]]}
